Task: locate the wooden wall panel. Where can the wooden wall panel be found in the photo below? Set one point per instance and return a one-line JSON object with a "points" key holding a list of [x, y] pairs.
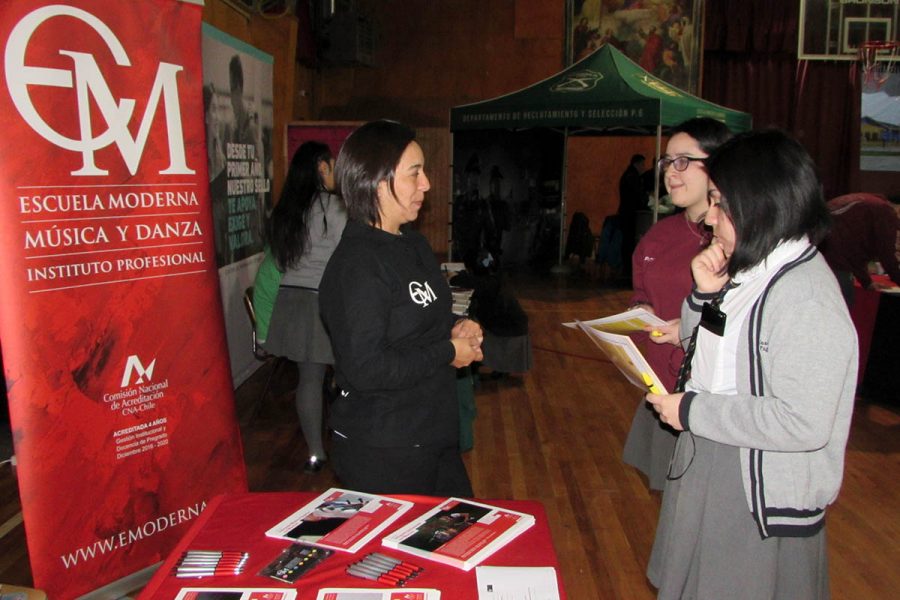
{"points": [[595, 165], [435, 215]]}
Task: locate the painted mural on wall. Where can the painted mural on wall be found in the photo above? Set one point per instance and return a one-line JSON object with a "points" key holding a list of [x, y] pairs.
{"points": [[662, 36]]}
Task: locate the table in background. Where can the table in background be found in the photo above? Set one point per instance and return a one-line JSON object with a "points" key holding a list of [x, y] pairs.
{"points": [[876, 315], [239, 522], [863, 313]]}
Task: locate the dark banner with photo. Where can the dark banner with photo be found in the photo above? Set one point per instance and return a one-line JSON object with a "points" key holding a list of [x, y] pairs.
{"points": [[237, 80], [114, 352], [237, 97]]}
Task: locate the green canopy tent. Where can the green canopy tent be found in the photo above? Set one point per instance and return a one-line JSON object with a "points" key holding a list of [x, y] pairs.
{"points": [[604, 93]]}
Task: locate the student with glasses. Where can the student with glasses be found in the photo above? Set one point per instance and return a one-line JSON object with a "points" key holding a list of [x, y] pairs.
{"points": [[661, 277], [770, 390]]}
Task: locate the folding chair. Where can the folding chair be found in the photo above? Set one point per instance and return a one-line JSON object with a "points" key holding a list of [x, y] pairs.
{"points": [[258, 351]]}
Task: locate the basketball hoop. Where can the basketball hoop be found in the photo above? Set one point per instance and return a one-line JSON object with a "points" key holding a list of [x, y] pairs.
{"points": [[878, 62]]}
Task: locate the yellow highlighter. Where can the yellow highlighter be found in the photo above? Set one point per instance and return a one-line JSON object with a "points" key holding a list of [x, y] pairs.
{"points": [[648, 381]]}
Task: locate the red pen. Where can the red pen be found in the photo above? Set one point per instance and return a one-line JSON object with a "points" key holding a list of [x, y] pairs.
{"points": [[376, 570], [206, 572], [397, 561], [377, 561], [358, 571]]}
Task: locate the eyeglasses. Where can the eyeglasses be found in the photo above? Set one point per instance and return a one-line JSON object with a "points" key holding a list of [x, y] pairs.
{"points": [[679, 162]]}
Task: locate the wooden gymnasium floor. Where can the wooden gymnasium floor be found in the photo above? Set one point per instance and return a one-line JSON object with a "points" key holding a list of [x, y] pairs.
{"points": [[555, 434]]}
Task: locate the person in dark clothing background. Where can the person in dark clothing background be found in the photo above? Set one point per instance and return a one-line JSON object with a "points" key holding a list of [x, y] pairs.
{"points": [[649, 180], [632, 198], [494, 221], [479, 222], [467, 214], [864, 228]]}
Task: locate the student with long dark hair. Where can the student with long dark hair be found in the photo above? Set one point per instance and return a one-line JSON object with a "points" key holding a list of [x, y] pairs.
{"points": [[303, 231], [388, 309], [772, 359]]}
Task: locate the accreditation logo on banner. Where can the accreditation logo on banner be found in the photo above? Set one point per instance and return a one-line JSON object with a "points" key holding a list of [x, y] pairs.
{"points": [[110, 319]]}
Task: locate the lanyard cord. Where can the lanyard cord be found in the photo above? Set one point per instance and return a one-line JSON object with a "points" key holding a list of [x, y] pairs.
{"points": [[684, 374]]}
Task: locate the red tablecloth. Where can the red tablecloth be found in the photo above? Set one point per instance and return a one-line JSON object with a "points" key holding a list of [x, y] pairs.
{"points": [[863, 312], [239, 522]]}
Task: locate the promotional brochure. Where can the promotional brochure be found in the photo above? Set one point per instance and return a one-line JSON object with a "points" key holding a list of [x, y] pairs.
{"points": [[340, 520], [220, 593], [626, 322], [608, 335], [460, 533], [370, 594], [517, 583]]}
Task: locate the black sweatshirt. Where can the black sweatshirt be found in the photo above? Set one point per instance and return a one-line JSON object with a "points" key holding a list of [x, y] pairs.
{"points": [[388, 310]]}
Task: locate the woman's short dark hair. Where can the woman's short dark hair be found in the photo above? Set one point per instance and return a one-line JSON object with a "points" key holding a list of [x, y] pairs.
{"points": [[369, 156], [709, 133], [770, 191]]}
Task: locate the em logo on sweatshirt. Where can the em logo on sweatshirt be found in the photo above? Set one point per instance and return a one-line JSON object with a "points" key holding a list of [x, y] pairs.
{"points": [[421, 293]]}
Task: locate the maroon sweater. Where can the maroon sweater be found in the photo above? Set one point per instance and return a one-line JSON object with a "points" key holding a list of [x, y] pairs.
{"points": [[661, 277], [864, 228]]}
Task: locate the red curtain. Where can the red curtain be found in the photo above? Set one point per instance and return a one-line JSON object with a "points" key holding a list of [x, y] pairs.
{"points": [[750, 63]]}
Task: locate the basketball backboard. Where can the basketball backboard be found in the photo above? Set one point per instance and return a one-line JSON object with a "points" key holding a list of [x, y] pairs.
{"points": [[833, 29]]}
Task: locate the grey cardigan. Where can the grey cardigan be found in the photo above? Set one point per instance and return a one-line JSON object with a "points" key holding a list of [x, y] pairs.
{"points": [[796, 380], [322, 241]]}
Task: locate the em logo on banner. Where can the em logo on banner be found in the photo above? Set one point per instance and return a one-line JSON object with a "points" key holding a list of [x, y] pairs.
{"points": [[89, 82]]}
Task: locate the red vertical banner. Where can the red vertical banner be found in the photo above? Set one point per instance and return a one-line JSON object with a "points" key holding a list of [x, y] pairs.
{"points": [[111, 325]]}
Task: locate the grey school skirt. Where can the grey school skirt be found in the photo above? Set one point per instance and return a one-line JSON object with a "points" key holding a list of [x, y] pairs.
{"points": [[649, 445], [295, 329], [708, 546]]}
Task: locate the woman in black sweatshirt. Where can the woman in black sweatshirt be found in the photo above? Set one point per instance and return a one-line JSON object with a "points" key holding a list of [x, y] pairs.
{"points": [[387, 308]]}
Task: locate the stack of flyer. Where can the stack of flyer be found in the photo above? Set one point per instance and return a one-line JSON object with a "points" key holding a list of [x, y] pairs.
{"points": [[460, 533], [340, 520], [610, 334], [235, 594], [462, 300], [370, 594]]}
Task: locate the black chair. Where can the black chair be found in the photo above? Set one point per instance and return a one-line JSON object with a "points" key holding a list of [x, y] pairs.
{"points": [[258, 351], [580, 240]]}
